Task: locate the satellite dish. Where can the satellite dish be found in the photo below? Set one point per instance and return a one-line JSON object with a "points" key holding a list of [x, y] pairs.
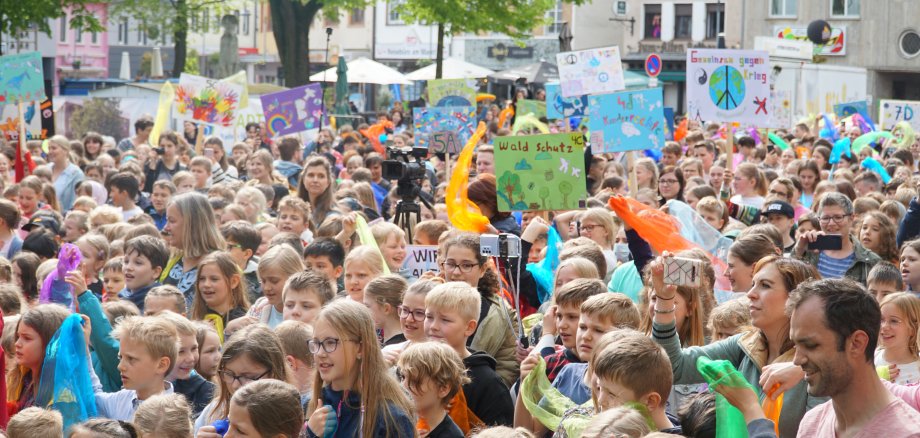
{"points": [[819, 32]]}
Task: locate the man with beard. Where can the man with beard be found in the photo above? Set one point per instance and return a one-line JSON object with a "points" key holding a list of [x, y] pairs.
{"points": [[835, 327]]}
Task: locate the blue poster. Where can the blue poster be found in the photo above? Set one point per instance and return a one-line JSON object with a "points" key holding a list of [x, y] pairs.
{"points": [[558, 107], [627, 121], [459, 119], [669, 119], [848, 109]]}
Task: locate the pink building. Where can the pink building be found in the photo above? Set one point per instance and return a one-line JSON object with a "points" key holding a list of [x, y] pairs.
{"points": [[82, 54]]}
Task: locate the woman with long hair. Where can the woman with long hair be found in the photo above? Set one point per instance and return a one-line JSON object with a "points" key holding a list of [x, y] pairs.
{"points": [[193, 233], [483, 192], [317, 187], [671, 184], [64, 174]]}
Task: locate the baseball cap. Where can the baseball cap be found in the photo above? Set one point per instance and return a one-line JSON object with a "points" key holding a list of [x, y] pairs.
{"points": [[47, 221], [778, 207]]}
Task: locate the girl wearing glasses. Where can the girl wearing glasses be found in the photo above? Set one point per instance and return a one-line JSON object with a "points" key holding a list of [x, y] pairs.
{"points": [[254, 353], [353, 394]]}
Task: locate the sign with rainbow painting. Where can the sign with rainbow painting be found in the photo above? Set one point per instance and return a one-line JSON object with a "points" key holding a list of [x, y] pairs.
{"points": [[211, 101], [292, 111]]}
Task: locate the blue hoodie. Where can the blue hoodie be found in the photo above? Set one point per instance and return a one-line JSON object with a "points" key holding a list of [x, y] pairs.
{"points": [[137, 296], [349, 417], [290, 170]]}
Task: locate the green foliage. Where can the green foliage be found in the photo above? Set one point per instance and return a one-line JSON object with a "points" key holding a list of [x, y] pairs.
{"points": [[515, 18], [191, 63], [510, 185], [19, 16], [100, 115], [384, 99]]}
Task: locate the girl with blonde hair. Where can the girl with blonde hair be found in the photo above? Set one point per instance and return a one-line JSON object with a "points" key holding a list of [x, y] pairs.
{"points": [[597, 224], [898, 354], [646, 174], [750, 185], [361, 265], [275, 267], [220, 292]]}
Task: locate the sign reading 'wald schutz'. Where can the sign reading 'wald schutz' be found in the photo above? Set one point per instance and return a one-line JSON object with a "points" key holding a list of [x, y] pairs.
{"points": [[540, 172]]}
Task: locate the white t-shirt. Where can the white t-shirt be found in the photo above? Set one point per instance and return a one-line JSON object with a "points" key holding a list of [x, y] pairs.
{"points": [[753, 201], [907, 373], [127, 215]]}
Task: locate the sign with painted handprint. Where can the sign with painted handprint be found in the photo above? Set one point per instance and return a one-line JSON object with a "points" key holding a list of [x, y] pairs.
{"points": [[591, 71], [292, 111], [729, 86], [627, 121], [459, 119], [210, 101], [21, 78], [541, 172]]}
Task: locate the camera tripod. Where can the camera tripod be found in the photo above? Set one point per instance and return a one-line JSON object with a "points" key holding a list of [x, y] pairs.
{"points": [[407, 206]]}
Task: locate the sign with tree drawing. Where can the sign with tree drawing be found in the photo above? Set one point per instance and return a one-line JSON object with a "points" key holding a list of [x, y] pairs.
{"points": [[540, 172]]}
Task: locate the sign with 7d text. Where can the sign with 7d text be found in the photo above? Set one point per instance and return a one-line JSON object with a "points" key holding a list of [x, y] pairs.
{"points": [[444, 142], [891, 112], [729, 86], [421, 259], [540, 172]]}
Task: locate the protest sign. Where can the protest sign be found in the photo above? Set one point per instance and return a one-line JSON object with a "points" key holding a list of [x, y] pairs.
{"points": [[590, 71], [669, 123], [843, 110], [21, 78], [540, 172], [728, 86], [295, 110], [530, 106], [627, 121], [38, 116], [782, 109], [210, 101], [444, 142], [559, 106], [459, 119], [421, 259], [893, 111], [452, 92]]}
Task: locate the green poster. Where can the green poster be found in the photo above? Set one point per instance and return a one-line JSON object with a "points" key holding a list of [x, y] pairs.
{"points": [[527, 106], [452, 92], [541, 172]]}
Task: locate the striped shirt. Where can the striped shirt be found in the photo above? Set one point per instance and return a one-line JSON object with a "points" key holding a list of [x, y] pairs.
{"points": [[830, 267]]}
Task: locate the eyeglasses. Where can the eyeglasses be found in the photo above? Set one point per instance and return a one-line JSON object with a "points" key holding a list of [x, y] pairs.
{"points": [[229, 377], [836, 218], [405, 312], [668, 181], [328, 345], [589, 228], [234, 245], [464, 267]]}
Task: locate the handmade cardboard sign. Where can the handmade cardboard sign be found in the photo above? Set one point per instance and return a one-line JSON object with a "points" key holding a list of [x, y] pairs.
{"points": [[540, 172], [452, 92], [590, 71], [444, 142], [459, 119], [627, 121], [559, 106], [21, 78], [893, 111], [206, 100], [421, 259], [292, 111], [729, 86]]}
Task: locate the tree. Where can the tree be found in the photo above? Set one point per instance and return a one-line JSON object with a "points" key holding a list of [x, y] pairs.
{"points": [[514, 18], [565, 188], [544, 193], [191, 65], [20, 16], [100, 115], [291, 23], [510, 184]]}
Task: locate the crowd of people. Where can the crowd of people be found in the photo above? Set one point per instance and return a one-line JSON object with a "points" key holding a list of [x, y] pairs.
{"points": [[260, 289]]}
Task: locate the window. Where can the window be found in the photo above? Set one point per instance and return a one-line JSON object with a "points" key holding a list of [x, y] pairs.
{"points": [[683, 21], [845, 8], [122, 32], [63, 29], [78, 35], [245, 21], [783, 8], [554, 20], [94, 37], [653, 22], [715, 20], [393, 12], [356, 17]]}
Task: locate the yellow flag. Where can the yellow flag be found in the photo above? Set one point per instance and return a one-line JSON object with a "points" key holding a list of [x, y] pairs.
{"points": [[167, 95], [241, 80]]}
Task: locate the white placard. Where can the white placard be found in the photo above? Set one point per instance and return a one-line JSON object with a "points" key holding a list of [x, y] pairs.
{"points": [[421, 259], [729, 86], [592, 71]]}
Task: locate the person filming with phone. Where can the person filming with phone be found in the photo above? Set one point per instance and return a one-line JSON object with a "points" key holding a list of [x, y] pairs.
{"points": [[833, 250]]}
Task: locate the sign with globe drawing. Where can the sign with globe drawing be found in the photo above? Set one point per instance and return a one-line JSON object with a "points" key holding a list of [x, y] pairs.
{"points": [[729, 86]]}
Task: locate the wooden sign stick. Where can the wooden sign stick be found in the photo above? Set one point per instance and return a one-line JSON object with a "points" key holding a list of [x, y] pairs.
{"points": [[730, 147], [633, 183]]}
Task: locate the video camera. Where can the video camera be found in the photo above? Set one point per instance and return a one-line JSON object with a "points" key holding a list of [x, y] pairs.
{"points": [[400, 167]]}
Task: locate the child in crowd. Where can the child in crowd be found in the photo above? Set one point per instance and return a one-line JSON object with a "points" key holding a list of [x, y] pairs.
{"points": [[200, 168], [899, 347], [294, 217], [621, 422], [163, 416], [209, 351], [34, 331], [392, 243], [729, 319], [104, 428], [352, 381], [196, 389], [147, 349], [163, 298], [884, 279], [561, 320], [305, 294], [220, 293], [94, 249], [113, 278], [382, 296], [910, 265], [105, 348], [163, 191], [145, 258], [452, 313], [326, 256], [295, 337], [252, 354], [361, 265], [266, 408], [9, 222], [411, 318], [429, 232], [34, 422], [123, 190], [275, 268], [433, 374], [242, 243]]}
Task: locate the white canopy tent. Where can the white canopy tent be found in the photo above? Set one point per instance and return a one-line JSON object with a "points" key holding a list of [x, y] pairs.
{"points": [[364, 71], [452, 69]]}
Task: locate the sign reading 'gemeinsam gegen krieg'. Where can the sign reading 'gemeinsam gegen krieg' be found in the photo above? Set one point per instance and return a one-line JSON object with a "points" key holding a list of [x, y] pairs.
{"points": [[729, 86]]}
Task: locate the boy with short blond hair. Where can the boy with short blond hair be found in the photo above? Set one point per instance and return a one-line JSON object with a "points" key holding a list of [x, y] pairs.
{"points": [[561, 320], [35, 422], [148, 351], [428, 232], [432, 367], [638, 370], [294, 336], [294, 217], [452, 316], [304, 294], [196, 390], [165, 298]]}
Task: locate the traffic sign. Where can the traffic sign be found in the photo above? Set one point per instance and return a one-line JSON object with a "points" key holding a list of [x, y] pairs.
{"points": [[653, 65]]}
